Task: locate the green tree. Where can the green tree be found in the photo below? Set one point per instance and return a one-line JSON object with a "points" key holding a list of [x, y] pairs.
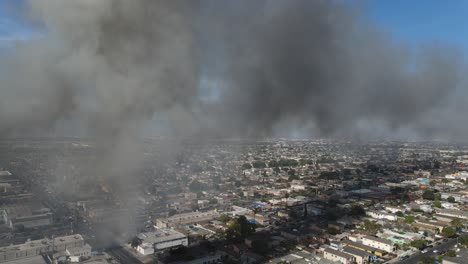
{"points": [[448, 231], [371, 227], [224, 218], [432, 183], [437, 204], [450, 199], [399, 214], [463, 240], [428, 195], [419, 244], [238, 228], [427, 260], [457, 223], [451, 253], [409, 219]]}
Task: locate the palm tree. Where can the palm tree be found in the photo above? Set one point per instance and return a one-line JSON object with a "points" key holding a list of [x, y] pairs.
{"points": [[255, 211]]}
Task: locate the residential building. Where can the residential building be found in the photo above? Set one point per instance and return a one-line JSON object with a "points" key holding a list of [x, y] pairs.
{"points": [[335, 255], [361, 257], [379, 243]]}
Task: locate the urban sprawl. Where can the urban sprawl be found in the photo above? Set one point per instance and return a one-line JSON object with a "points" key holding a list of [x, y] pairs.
{"points": [[274, 201]]}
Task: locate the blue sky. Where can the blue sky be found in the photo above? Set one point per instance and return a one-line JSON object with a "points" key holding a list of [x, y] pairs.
{"points": [[413, 21], [423, 21]]}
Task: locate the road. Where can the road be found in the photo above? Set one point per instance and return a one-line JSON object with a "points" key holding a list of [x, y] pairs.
{"points": [[414, 259]]}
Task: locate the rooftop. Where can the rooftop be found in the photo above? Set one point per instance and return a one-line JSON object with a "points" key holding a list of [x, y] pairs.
{"points": [[160, 235], [380, 240], [338, 253]]}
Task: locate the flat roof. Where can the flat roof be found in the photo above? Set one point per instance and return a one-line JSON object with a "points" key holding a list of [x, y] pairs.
{"points": [[42, 243], [160, 235]]}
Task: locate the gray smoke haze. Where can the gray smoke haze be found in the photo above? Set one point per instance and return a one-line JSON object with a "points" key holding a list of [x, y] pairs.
{"points": [[214, 68]]}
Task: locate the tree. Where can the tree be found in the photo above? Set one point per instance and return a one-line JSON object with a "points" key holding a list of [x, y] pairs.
{"points": [[437, 204], [463, 240], [457, 223], [432, 183], [409, 219], [448, 231], [196, 186], [427, 260], [246, 166], [224, 218], [450, 199], [238, 228], [428, 195], [172, 212], [135, 242], [451, 253], [273, 163], [399, 214], [419, 244], [357, 210], [258, 164], [371, 227]]}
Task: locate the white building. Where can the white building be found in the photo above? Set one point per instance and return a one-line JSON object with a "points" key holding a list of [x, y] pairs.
{"points": [[378, 243], [393, 209], [160, 240]]}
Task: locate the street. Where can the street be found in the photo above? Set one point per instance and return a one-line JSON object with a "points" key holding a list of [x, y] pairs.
{"points": [[414, 259]]}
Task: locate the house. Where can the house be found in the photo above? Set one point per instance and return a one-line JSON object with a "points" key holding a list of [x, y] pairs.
{"points": [[361, 257], [380, 215], [362, 247], [462, 214], [379, 243], [338, 256]]}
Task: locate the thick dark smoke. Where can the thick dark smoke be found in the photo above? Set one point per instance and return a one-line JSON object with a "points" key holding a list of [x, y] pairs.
{"points": [[320, 64], [217, 68]]}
